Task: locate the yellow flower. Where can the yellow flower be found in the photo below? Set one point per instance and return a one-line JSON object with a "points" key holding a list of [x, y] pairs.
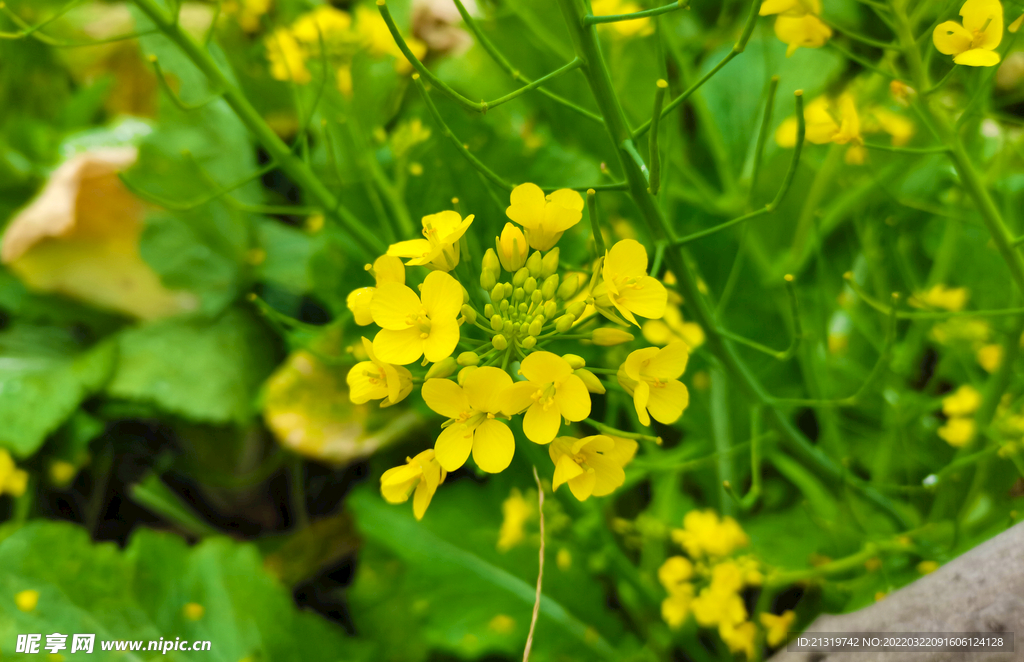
{"points": [[739, 637], [551, 392], [626, 286], [958, 432], [790, 7], [651, 375], [376, 380], [676, 607], [412, 326], [471, 410], [675, 573], [940, 296], [807, 31], [963, 402], [544, 218], [826, 122], [990, 357], [639, 27], [777, 626], [704, 534], [422, 474], [440, 248], [323, 22], [714, 606], [193, 611], [972, 44], [26, 600], [900, 128], [249, 12], [516, 512], [385, 269], [512, 248], [592, 465], [286, 56], [927, 567], [13, 480], [672, 327], [377, 39]]}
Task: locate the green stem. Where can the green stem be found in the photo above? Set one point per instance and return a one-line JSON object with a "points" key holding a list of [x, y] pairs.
{"points": [[762, 135], [590, 19], [615, 432], [595, 222], [655, 154]]}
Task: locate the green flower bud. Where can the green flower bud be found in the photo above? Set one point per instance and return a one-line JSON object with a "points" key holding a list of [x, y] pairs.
{"points": [[520, 277], [496, 322], [590, 380], [488, 311], [529, 342], [490, 263], [577, 309], [535, 264], [468, 358], [523, 328], [497, 293], [550, 309], [607, 337], [503, 306], [499, 342], [508, 328], [569, 287], [536, 326], [524, 307], [487, 280], [443, 368], [469, 313], [564, 323], [518, 294], [465, 295], [575, 361], [530, 286], [508, 290], [536, 297], [550, 287], [549, 264]]}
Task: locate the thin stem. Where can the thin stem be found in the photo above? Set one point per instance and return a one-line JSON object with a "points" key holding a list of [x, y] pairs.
{"points": [[840, 566], [590, 19], [595, 222], [862, 62], [762, 134], [939, 149], [925, 315], [175, 99], [540, 568], [186, 206], [607, 429], [654, 153], [859, 37], [28, 31], [571, 66]]}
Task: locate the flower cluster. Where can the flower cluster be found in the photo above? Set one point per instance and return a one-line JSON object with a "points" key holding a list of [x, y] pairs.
{"points": [[707, 583], [797, 23], [959, 408], [973, 42], [507, 321]]}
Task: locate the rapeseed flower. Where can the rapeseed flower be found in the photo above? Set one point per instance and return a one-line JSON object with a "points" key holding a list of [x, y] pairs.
{"points": [[412, 326], [963, 402], [675, 609], [544, 218], [472, 427], [636, 27], [625, 285], [777, 627], [958, 431], [512, 248], [440, 247], [974, 42], [287, 57], [798, 23], [26, 600], [592, 466], [828, 122], [672, 327], [13, 480], [651, 376], [516, 511], [376, 380], [550, 393], [739, 637], [385, 269], [704, 534], [421, 475], [939, 296]]}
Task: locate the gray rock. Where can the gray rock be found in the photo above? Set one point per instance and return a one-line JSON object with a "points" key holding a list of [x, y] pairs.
{"points": [[980, 591]]}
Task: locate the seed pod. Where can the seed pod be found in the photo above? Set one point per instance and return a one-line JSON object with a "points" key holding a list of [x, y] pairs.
{"points": [[469, 313], [535, 264], [609, 336], [590, 380], [564, 323], [529, 342], [499, 342], [520, 277], [549, 287], [496, 322], [569, 287], [575, 361], [443, 368], [536, 326], [549, 264], [468, 358]]}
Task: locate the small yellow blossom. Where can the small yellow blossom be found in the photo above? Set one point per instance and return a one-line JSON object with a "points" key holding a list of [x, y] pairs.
{"points": [[963, 402], [897, 126], [592, 465], [927, 567], [827, 122], [516, 512], [739, 637], [472, 426], [990, 357], [377, 40], [26, 600], [807, 31], [552, 392], [512, 248], [958, 432], [323, 22], [287, 58], [703, 534], [248, 12], [940, 296], [13, 480], [777, 627], [422, 474], [733, 575], [676, 607], [626, 286], [790, 7], [376, 380], [193, 611], [672, 327], [715, 606], [675, 573], [412, 326], [651, 376], [972, 44], [638, 27], [385, 269], [544, 218], [440, 248], [961, 329]]}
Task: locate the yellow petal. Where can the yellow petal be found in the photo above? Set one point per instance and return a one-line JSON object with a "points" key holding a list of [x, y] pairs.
{"points": [[951, 38], [984, 15], [564, 210], [647, 298], [608, 475], [442, 295], [445, 397], [413, 248], [389, 269], [640, 398], [637, 361], [493, 446], [559, 447], [397, 483], [540, 424], [622, 452], [785, 135], [484, 388], [565, 470], [769, 7], [545, 367], [392, 305], [626, 259], [516, 398], [398, 347], [420, 502], [442, 223], [358, 302], [583, 486], [567, 198], [527, 208], [443, 338], [977, 57], [364, 383], [667, 403], [670, 361], [806, 31], [573, 399], [453, 446]]}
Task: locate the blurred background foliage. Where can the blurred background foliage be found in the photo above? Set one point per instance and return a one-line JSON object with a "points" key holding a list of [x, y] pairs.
{"points": [[172, 368]]}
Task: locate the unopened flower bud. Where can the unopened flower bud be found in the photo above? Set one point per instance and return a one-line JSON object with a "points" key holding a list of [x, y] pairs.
{"points": [[468, 359], [518, 294], [443, 368], [536, 297], [576, 309], [508, 290], [496, 322], [569, 287], [465, 295], [520, 277], [530, 285], [503, 306], [549, 264], [549, 287], [499, 342], [487, 280], [590, 380], [550, 309], [490, 270], [488, 311], [575, 360], [609, 336], [536, 326], [529, 342], [497, 293], [508, 328], [469, 313], [564, 323], [524, 307], [512, 248], [535, 264]]}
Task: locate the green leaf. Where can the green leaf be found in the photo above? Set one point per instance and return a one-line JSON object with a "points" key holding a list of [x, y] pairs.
{"points": [[202, 370], [44, 376], [140, 594]]}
